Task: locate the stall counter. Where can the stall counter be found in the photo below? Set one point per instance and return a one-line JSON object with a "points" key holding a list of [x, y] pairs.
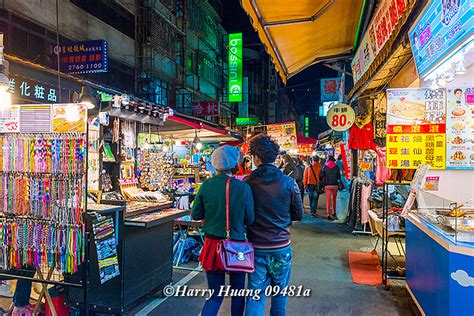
{"points": [[439, 273]]}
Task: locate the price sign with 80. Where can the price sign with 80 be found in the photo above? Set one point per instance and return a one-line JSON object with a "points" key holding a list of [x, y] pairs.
{"points": [[340, 117]]}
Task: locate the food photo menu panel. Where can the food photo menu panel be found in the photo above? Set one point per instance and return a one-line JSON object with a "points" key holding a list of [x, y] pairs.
{"points": [[460, 128]]}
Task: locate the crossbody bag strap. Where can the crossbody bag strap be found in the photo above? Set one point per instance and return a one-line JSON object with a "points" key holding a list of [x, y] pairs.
{"points": [[227, 208], [314, 173]]}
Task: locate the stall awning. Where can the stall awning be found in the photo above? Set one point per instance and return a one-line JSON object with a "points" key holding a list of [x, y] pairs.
{"points": [[182, 128], [298, 34], [300, 139]]}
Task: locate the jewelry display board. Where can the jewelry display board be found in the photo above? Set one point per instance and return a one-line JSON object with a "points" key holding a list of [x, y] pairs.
{"points": [[43, 195]]}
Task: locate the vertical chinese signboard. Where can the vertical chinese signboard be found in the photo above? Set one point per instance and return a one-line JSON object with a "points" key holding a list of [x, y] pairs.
{"points": [[206, 108], [460, 128], [235, 67], [82, 57], [284, 134], [383, 24], [416, 128], [331, 88]]}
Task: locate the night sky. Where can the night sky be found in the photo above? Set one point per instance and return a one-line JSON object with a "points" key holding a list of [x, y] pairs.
{"points": [[304, 88]]}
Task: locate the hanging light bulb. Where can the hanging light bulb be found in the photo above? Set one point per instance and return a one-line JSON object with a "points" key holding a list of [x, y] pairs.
{"points": [[5, 99], [197, 142], [71, 112]]}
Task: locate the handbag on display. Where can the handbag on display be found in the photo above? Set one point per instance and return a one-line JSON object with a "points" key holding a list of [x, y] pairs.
{"points": [[236, 256]]}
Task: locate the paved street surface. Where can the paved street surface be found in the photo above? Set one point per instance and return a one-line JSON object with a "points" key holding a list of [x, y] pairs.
{"points": [[321, 264]]}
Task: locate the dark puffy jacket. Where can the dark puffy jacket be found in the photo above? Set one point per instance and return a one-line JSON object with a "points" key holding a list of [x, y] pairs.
{"points": [[277, 202], [330, 174]]}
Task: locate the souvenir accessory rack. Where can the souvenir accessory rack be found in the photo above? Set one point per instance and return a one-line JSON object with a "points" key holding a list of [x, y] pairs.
{"points": [[43, 199]]}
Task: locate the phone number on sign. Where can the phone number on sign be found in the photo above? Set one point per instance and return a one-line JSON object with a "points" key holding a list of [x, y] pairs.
{"points": [[227, 291]]}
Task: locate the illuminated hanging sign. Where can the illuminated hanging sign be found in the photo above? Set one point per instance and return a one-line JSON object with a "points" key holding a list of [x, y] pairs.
{"points": [[82, 57], [246, 121], [416, 128], [331, 88], [441, 27], [31, 90], [235, 67], [206, 108]]}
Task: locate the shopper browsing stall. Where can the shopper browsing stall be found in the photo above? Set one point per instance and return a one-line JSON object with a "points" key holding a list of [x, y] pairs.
{"points": [[210, 205]]}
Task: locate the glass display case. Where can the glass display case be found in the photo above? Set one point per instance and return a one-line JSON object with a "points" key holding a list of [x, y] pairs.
{"points": [[448, 218]]}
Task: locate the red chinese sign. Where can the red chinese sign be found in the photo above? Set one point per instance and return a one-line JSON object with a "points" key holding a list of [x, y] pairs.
{"points": [[330, 88], [206, 108], [305, 149], [384, 22]]}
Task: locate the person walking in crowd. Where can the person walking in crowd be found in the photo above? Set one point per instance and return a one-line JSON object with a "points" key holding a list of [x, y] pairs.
{"points": [[330, 177], [210, 205], [311, 183], [301, 169], [291, 168], [277, 202]]}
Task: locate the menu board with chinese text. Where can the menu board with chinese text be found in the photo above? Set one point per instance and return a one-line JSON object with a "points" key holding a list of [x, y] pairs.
{"points": [[284, 134], [416, 128], [460, 128]]}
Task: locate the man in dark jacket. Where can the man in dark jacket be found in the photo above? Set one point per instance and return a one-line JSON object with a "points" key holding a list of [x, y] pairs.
{"points": [[277, 202]]}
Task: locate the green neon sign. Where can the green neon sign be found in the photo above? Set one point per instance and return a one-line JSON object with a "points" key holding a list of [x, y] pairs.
{"points": [[306, 126], [235, 67], [246, 121]]}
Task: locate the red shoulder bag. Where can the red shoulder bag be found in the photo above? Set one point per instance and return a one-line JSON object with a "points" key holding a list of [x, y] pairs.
{"points": [[236, 256]]}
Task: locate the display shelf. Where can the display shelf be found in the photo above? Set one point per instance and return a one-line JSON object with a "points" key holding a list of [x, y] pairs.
{"points": [[153, 207], [155, 218], [104, 208]]}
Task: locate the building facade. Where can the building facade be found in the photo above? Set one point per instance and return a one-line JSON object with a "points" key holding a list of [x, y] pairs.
{"points": [[170, 52]]}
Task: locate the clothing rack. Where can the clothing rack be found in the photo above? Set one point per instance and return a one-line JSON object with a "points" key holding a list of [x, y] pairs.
{"points": [[365, 181], [363, 231]]}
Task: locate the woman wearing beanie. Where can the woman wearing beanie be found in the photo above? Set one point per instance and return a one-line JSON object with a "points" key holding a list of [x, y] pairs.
{"points": [[210, 205]]}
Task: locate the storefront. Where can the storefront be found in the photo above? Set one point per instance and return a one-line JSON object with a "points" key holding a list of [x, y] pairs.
{"points": [[440, 233], [419, 105]]}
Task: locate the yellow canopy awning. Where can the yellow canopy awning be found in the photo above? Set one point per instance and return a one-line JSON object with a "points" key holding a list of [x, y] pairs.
{"points": [[300, 33]]}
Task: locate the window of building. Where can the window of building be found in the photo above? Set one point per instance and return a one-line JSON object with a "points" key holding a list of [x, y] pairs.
{"points": [[161, 92], [110, 12]]}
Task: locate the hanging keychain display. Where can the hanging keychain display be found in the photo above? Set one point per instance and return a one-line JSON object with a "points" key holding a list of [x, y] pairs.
{"points": [[42, 179]]}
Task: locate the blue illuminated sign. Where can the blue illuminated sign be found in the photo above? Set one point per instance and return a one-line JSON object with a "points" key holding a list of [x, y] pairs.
{"points": [[442, 26], [83, 57]]}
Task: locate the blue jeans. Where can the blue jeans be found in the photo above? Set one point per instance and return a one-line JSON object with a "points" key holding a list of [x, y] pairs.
{"points": [[272, 268], [313, 200], [216, 279]]}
